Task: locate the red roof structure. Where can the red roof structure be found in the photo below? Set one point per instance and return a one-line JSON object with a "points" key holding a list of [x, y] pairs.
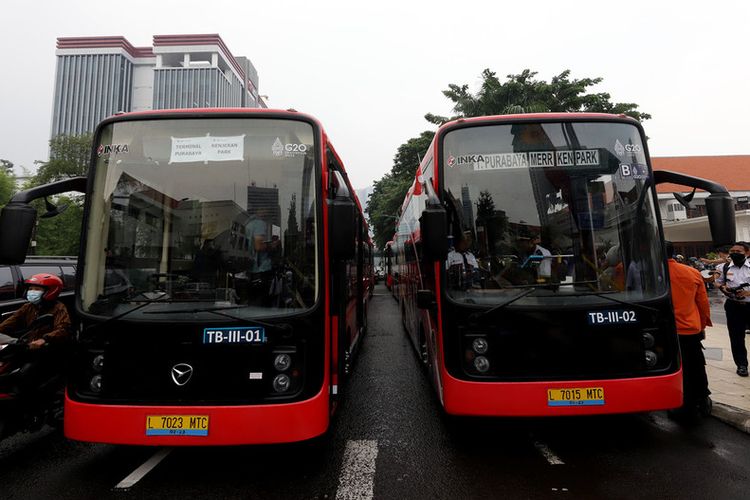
{"points": [[733, 172]]}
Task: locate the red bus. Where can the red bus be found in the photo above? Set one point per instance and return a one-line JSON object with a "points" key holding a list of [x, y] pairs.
{"points": [[532, 275], [222, 279]]}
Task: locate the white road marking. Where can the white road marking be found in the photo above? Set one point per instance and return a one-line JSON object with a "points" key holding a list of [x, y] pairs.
{"points": [[357, 478], [548, 454], [144, 469]]}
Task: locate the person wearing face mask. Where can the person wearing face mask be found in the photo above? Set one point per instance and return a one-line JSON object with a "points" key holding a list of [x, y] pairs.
{"points": [[42, 292], [733, 276]]}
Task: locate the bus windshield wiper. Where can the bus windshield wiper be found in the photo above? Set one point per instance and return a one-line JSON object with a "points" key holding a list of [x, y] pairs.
{"points": [[141, 305], [219, 311], [604, 295], [499, 306]]}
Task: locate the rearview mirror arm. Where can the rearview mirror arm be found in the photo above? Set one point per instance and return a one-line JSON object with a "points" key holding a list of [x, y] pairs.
{"points": [[73, 184]]}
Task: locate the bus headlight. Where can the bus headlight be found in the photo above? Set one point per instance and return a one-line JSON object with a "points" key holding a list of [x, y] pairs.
{"points": [[480, 345], [481, 364], [281, 383], [96, 384], [98, 363], [648, 340], [282, 362], [651, 359]]}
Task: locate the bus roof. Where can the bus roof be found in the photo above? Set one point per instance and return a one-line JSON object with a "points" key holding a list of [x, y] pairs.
{"points": [[539, 116], [282, 113]]}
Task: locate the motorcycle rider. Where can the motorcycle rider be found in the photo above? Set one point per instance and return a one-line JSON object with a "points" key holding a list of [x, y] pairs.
{"points": [[42, 292]]}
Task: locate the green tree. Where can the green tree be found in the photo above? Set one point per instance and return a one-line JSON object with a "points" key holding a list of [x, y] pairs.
{"points": [[60, 235], [6, 165], [388, 192], [70, 156], [7, 185], [523, 93]]}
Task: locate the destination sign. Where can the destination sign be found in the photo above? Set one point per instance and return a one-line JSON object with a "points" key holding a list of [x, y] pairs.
{"points": [[499, 161]]}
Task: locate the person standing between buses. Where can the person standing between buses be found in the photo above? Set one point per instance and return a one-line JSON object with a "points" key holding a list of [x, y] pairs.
{"points": [[737, 306], [692, 314]]}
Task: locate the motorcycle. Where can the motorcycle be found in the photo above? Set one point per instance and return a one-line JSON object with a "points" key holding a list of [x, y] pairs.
{"points": [[31, 386]]}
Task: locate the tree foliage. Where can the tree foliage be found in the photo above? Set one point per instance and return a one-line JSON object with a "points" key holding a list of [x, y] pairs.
{"points": [[388, 192], [60, 235], [521, 93], [70, 156], [7, 185], [6, 166]]}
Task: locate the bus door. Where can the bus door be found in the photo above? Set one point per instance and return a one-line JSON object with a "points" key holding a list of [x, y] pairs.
{"points": [[361, 291], [343, 277]]}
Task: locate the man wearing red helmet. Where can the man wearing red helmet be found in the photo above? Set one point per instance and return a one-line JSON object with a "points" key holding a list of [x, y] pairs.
{"points": [[42, 293]]}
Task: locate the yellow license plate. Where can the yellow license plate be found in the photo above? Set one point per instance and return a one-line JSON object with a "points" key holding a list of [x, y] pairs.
{"points": [[177, 425], [576, 396]]}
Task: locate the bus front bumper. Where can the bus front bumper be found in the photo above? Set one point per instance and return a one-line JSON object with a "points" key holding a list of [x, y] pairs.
{"points": [[533, 399], [226, 425]]}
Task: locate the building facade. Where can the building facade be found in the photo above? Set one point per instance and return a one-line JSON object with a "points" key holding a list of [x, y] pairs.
{"points": [[97, 77]]}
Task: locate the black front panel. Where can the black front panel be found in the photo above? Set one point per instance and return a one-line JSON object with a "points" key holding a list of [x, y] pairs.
{"points": [[139, 362], [518, 344]]}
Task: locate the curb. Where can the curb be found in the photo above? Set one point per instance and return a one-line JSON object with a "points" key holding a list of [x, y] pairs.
{"points": [[731, 415]]}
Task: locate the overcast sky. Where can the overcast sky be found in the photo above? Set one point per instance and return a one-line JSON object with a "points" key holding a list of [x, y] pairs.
{"points": [[370, 73]]}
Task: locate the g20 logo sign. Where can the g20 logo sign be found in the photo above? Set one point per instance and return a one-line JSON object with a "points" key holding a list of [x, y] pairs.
{"points": [[295, 148]]}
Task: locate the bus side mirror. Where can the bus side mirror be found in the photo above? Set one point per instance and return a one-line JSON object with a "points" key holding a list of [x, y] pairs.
{"points": [[16, 224], [721, 221], [342, 226], [433, 225]]}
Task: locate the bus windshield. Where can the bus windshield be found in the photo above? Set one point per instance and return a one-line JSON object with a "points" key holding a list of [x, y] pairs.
{"points": [[194, 218], [550, 213]]}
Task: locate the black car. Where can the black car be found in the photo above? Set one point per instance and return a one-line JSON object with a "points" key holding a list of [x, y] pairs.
{"points": [[12, 277]]}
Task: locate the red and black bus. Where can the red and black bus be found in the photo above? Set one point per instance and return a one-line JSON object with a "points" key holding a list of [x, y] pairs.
{"points": [[532, 275], [221, 283]]}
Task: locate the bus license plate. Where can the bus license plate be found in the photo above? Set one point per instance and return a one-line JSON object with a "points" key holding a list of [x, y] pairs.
{"points": [[177, 425], [576, 396], [235, 335]]}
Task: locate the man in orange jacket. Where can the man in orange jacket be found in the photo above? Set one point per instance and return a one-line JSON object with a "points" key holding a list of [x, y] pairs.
{"points": [[692, 314]]}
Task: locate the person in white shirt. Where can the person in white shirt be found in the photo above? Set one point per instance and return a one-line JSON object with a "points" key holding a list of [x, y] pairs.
{"points": [[733, 276], [545, 266], [461, 265]]}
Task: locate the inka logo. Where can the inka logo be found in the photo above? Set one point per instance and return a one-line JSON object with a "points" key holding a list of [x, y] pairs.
{"points": [[107, 149]]}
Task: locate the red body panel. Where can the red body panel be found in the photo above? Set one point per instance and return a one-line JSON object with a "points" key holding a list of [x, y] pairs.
{"points": [[228, 425], [529, 399]]}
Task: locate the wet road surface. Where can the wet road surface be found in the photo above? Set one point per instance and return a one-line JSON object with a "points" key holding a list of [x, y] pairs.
{"points": [[389, 439]]}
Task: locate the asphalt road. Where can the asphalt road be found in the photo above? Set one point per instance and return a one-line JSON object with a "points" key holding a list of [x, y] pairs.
{"points": [[389, 440]]}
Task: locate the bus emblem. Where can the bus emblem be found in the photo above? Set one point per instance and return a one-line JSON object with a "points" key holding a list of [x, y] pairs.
{"points": [[181, 373], [277, 148], [619, 148]]}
